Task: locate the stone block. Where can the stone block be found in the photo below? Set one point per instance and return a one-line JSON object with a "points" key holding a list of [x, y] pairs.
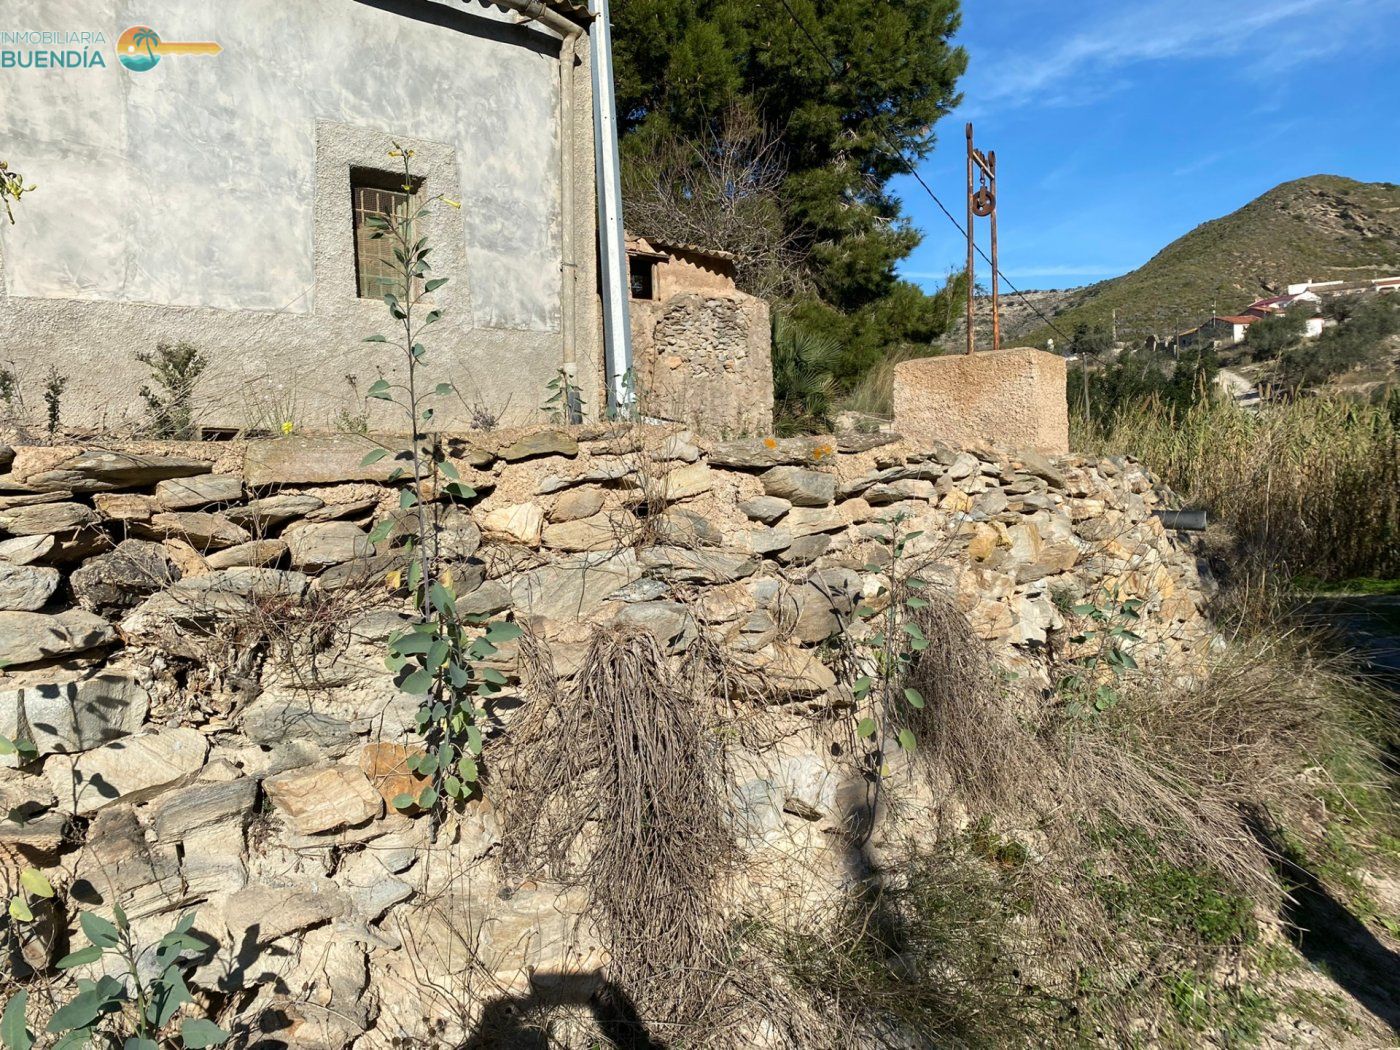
{"points": [[1011, 398], [132, 769]]}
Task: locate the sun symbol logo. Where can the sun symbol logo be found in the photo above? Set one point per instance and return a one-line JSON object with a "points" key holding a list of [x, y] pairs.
{"points": [[138, 48]]}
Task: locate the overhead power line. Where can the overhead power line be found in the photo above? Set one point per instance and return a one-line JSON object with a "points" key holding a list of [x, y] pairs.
{"points": [[909, 167]]}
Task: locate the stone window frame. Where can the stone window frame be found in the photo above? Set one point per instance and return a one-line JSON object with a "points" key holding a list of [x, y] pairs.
{"points": [[344, 151]]}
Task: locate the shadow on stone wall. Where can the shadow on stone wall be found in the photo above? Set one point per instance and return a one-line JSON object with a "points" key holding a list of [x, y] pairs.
{"points": [[518, 1022]]}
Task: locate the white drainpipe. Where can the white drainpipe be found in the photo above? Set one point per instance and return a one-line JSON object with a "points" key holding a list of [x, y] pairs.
{"points": [[612, 252]]}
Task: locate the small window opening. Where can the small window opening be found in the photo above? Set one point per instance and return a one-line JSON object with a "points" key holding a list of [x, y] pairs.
{"points": [[642, 274], [377, 272]]}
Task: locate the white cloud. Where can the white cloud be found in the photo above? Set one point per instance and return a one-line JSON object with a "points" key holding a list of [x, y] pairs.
{"points": [[1083, 63]]}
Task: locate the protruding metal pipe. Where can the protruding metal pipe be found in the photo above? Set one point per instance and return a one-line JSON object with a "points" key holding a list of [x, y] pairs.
{"points": [[1182, 520]]}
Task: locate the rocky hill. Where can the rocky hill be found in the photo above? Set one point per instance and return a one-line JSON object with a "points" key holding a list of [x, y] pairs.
{"points": [[1323, 227]]}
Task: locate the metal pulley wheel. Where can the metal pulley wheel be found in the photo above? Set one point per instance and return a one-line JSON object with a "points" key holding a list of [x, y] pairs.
{"points": [[984, 202]]}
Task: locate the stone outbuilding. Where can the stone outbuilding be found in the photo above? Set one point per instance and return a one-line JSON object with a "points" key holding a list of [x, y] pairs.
{"points": [[701, 348]]}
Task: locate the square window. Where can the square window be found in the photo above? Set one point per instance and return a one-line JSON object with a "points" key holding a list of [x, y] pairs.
{"points": [[642, 275], [377, 272]]}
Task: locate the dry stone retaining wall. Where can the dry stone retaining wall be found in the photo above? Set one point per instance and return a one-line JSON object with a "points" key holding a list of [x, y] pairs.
{"points": [[192, 637]]}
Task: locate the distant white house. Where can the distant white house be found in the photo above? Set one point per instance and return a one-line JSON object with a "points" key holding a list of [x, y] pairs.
{"points": [[1283, 303]]}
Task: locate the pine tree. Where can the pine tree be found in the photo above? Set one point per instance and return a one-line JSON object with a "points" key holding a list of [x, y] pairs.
{"points": [[684, 65]]}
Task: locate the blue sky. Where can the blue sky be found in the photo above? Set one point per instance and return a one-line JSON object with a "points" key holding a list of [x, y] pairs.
{"points": [[1120, 126]]}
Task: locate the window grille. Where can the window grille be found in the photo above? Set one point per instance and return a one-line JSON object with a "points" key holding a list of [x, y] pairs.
{"points": [[377, 272]]}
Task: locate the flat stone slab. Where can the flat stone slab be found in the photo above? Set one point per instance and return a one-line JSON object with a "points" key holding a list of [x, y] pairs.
{"points": [[25, 588], [30, 637], [540, 443], [46, 519], [64, 711], [329, 460], [132, 769], [194, 493], [802, 488], [317, 800], [316, 547], [762, 453], [97, 470]]}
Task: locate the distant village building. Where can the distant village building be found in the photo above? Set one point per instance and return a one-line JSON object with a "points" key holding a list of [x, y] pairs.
{"points": [[224, 199], [701, 348], [1279, 304], [1219, 331]]}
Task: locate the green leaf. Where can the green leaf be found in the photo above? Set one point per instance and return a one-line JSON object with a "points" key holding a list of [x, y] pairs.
{"points": [[380, 532], [865, 728], [913, 630], [13, 1034], [7, 746], [407, 499], [82, 957], [140, 1042], [474, 740], [459, 490], [19, 909], [373, 456], [916, 603], [33, 880], [467, 767], [1084, 609], [915, 697], [444, 601], [403, 801], [506, 631], [412, 643], [167, 997], [375, 339], [78, 1012], [99, 931], [428, 799], [198, 1032], [437, 655], [862, 686], [453, 786], [78, 1039], [434, 284], [379, 390], [442, 388], [119, 913], [490, 674], [419, 682], [906, 740]]}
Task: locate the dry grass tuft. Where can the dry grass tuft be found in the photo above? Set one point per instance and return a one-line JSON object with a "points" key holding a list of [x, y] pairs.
{"points": [[615, 782], [969, 727]]}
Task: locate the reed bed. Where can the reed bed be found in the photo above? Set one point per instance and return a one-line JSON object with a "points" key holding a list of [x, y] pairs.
{"points": [[1309, 487]]}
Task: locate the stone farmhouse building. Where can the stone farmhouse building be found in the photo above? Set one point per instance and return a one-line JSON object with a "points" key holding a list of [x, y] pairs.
{"points": [[219, 197], [702, 348]]}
